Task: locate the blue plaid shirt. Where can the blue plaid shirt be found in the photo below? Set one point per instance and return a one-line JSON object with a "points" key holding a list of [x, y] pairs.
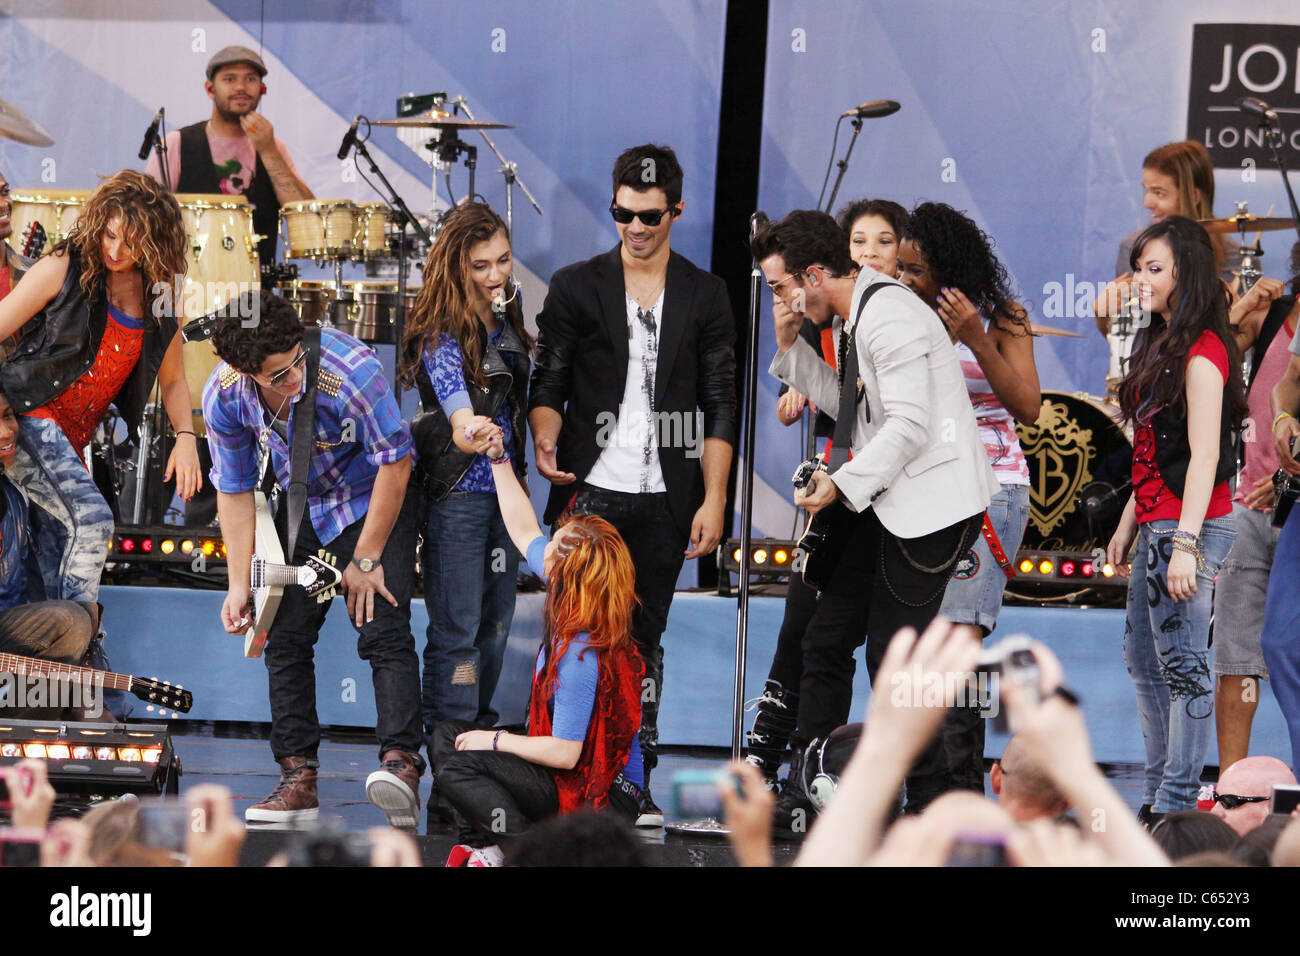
{"points": [[358, 428]]}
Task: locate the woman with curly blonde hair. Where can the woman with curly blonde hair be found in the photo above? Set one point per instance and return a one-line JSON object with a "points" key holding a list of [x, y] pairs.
{"points": [[96, 327], [581, 749]]}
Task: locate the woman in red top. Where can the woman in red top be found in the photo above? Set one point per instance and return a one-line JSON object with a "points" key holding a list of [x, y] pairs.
{"points": [[96, 327], [1185, 398]]}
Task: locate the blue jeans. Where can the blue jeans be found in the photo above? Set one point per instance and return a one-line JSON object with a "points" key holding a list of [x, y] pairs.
{"points": [[72, 545], [974, 595], [1166, 649], [1280, 639], [469, 566]]}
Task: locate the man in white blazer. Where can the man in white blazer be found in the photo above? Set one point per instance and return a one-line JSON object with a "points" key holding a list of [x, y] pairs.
{"points": [[917, 484]]}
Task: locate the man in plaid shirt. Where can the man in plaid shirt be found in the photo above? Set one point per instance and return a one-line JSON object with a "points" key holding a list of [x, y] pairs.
{"points": [[358, 508]]}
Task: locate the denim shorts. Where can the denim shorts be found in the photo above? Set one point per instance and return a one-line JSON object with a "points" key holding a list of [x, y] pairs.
{"points": [[974, 594], [1240, 594]]}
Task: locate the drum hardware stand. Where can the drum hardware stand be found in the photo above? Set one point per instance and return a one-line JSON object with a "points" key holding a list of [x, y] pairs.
{"points": [[507, 169], [402, 215], [1273, 133]]}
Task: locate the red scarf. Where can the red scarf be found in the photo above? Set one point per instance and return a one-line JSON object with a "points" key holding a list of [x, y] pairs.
{"points": [[615, 720]]}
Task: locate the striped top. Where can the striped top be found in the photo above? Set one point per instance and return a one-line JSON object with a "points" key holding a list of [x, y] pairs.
{"points": [[997, 425]]}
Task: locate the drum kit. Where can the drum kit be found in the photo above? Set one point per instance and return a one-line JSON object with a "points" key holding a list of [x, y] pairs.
{"points": [[222, 260]]}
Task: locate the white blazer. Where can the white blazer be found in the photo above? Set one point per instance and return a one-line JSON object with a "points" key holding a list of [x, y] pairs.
{"points": [[919, 461]]}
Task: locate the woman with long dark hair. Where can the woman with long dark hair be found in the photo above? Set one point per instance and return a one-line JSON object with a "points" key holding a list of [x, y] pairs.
{"points": [[949, 262], [466, 346], [1177, 180], [99, 323], [584, 713], [1185, 398]]}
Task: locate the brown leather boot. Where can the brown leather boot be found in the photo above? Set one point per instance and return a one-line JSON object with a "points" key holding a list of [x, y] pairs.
{"points": [[395, 788], [293, 799]]}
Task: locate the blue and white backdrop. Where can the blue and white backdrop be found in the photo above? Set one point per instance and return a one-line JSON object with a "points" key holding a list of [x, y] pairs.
{"points": [[1032, 117]]}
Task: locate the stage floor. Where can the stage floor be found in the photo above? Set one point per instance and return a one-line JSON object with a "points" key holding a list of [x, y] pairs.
{"points": [[237, 757]]}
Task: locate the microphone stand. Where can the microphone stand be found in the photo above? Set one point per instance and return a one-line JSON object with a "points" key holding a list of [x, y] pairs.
{"points": [[746, 506], [843, 164], [403, 215], [1273, 133]]}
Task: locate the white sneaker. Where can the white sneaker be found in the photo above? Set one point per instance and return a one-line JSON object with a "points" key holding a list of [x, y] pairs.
{"points": [[487, 856]]}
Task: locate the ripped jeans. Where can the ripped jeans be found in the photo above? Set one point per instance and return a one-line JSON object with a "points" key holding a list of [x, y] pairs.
{"points": [[72, 543], [1166, 649], [469, 566]]}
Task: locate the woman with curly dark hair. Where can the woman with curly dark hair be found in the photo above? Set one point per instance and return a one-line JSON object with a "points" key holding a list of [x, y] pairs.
{"points": [[949, 262], [466, 345], [1185, 397], [875, 227], [97, 328]]}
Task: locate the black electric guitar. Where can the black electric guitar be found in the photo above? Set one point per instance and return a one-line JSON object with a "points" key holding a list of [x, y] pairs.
{"points": [[269, 576], [824, 537], [154, 691]]}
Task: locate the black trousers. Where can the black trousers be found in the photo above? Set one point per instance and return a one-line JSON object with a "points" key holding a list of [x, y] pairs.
{"points": [[496, 795], [658, 550], [881, 584], [385, 642]]}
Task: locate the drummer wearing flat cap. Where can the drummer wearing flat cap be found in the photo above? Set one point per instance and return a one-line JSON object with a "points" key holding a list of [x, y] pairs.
{"points": [[235, 152]]}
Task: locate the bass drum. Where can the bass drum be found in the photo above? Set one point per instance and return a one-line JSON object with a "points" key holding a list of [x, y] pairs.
{"points": [[1080, 474]]}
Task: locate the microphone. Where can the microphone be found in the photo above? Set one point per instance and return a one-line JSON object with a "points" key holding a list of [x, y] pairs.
{"points": [[1257, 107], [757, 221], [872, 110], [151, 134], [500, 301], [349, 139]]}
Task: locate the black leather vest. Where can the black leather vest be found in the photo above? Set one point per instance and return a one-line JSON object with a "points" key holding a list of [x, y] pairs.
{"points": [[441, 464], [61, 342], [198, 175]]}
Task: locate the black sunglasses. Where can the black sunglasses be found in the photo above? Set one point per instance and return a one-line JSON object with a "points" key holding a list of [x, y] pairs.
{"points": [[651, 217], [1231, 801]]}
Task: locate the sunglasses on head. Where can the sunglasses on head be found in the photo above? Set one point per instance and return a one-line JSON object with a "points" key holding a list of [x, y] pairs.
{"points": [[651, 217], [1232, 801]]}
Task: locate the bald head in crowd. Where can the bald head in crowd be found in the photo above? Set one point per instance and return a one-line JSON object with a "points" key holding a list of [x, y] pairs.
{"points": [[1023, 789], [1250, 777]]}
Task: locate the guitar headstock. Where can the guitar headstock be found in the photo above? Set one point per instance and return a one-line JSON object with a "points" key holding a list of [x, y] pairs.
{"points": [[33, 240], [162, 694], [328, 576]]}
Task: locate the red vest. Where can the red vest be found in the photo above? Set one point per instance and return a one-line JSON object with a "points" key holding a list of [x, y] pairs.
{"points": [[615, 720]]}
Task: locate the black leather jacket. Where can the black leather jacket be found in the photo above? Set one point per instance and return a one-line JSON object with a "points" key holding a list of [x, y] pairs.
{"points": [[441, 465], [61, 342]]}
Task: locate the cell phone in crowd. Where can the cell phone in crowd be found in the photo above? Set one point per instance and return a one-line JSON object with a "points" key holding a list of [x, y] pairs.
{"points": [[695, 793], [26, 780], [1010, 660], [328, 845], [978, 849], [164, 824], [19, 847], [1285, 798]]}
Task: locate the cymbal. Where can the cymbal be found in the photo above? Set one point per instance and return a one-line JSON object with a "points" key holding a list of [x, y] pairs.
{"points": [[1246, 223], [18, 126], [436, 121], [1052, 330]]}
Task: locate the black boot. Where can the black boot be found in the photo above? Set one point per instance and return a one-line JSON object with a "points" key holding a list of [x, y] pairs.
{"points": [[768, 741], [794, 811]]}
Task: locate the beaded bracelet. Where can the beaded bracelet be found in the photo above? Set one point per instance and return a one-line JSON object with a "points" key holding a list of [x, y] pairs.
{"points": [[1182, 544], [503, 460]]}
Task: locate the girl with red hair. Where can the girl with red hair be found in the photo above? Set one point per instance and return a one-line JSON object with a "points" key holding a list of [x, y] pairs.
{"points": [[585, 708]]}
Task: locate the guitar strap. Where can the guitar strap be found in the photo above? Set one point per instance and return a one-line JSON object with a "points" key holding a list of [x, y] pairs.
{"points": [[851, 388], [304, 428]]}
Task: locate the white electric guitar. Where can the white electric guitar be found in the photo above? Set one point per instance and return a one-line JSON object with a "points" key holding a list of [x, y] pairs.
{"points": [[269, 577]]}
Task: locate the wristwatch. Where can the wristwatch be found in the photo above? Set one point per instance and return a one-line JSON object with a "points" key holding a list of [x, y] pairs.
{"points": [[365, 564]]}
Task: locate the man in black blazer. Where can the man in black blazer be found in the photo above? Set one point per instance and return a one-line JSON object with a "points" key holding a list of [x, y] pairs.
{"points": [[633, 407]]}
